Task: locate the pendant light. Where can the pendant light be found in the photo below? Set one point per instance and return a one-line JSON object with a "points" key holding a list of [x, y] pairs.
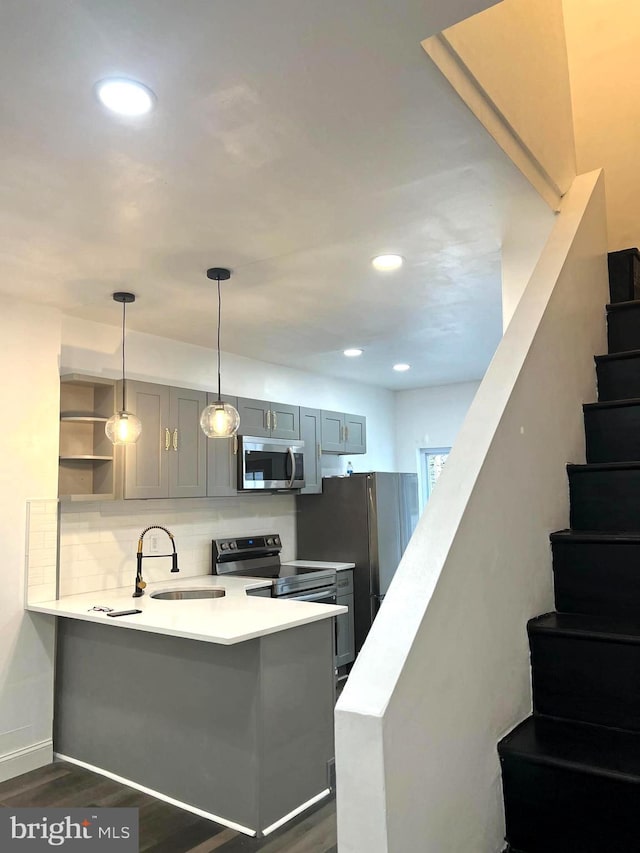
{"points": [[220, 420], [123, 427]]}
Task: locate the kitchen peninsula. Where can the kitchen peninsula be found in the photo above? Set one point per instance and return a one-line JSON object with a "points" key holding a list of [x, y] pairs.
{"points": [[222, 705]]}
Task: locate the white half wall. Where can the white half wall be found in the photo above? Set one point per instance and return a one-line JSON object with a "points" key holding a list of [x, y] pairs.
{"points": [[95, 348], [445, 671], [30, 347], [429, 417]]}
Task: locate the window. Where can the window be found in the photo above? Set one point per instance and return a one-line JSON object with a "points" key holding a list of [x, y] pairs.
{"points": [[432, 460]]}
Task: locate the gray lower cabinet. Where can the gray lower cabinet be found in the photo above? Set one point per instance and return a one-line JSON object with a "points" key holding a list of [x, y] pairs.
{"points": [[222, 459], [268, 420], [169, 459], [244, 732], [310, 434], [342, 433], [345, 636]]}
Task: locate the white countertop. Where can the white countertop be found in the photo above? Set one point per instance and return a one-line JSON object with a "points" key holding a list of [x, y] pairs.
{"points": [[320, 564], [232, 619]]}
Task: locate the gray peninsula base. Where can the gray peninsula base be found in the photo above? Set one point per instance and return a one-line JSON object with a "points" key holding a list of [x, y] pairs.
{"points": [[243, 732]]}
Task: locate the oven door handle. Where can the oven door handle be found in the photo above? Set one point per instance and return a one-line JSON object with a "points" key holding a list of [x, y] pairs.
{"points": [[312, 596], [292, 457]]}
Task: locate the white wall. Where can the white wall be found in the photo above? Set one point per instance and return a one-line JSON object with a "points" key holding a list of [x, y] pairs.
{"points": [[509, 64], [30, 348], [602, 43], [526, 229], [95, 348], [429, 417], [445, 670]]}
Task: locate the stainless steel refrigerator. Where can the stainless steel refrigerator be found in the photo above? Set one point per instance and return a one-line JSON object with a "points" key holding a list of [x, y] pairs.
{"points": [[366, 519]]}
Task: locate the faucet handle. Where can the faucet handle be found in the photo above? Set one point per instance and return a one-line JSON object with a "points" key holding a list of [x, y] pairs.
{"points": [[141, 584]]}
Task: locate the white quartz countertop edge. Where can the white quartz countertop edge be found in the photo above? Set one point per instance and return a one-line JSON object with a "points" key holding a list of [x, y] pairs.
{"points": [[234, 618], [320, 564]]}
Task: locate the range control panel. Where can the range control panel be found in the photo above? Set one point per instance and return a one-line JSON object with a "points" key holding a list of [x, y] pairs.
{"points": [[248, 545]]}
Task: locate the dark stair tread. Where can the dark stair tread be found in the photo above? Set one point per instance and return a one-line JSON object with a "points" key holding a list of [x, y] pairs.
{"points": [[573, 467], [576, 536], [623, 306], [620, 629], [617, 356], [611, 404], [579, 746]]}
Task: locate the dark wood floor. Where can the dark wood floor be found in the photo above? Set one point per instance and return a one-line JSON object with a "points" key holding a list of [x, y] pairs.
{"points": [[165, 828]]}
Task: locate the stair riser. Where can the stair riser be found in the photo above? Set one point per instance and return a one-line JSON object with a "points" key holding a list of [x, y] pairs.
{"points": [[605, 500], [552, 809], [618, 379], [586, 680], [613, 435], [624, 275], [598, 578], [623, 330]]}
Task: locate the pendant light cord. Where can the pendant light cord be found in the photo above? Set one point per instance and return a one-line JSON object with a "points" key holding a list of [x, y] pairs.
{"points": [[124, 311], [219, 313]]}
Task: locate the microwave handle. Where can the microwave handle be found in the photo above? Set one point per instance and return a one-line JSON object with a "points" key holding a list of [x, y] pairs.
{"points": [[292, 457]]}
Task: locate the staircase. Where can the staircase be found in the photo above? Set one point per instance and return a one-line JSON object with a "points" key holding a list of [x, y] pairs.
{"points": [[571, 771]]}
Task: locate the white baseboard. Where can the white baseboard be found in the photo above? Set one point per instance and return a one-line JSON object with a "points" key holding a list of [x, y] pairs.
{"points": [[157, 794], [23, 760]]}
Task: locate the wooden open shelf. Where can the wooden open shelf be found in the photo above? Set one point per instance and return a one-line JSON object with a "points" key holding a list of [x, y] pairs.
{"points": [[86, 461]]}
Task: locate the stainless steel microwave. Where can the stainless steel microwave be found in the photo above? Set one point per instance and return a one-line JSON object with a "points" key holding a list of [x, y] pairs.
{"points": [[270, 463]]}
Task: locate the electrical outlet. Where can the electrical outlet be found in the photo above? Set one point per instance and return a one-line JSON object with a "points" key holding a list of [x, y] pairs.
{"points": [[153, 543]]}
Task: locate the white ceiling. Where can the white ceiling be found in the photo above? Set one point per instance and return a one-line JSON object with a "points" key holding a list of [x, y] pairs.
{"points": [[292, 141]]}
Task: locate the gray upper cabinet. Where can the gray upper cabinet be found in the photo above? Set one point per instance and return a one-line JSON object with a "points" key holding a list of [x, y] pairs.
{"points": [[222, 459], [188, 453], [268, 420], [356, 433], [254, 417], [169, 459], [332, 440], [310, 434], [343, 433], [285, 421], [146, 469]]}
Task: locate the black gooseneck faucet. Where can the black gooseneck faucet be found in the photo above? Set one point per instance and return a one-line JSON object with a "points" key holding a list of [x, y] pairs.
{"points": [[140, 583]]}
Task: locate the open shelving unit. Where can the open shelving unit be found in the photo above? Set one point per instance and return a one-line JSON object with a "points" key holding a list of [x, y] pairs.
{"points": [[86, 456]]}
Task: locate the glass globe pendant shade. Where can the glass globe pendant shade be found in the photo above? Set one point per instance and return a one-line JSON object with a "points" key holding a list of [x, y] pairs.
{"points": [[220, 420], [123, 428]]}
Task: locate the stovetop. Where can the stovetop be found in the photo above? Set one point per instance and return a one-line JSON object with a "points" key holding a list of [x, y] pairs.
{"points": [[259, 557]]}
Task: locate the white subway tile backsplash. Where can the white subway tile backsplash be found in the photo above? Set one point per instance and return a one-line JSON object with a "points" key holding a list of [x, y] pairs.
{"points": [[98, 542], [41, 550]]}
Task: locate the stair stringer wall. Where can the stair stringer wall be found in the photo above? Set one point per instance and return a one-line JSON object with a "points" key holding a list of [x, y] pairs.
{"points": [[445, 670]]}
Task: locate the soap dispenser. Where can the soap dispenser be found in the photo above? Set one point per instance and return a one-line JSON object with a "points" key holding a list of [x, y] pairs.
{"points": [[349, 469]]}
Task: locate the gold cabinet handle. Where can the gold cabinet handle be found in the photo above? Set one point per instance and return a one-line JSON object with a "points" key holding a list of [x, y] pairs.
{"points": [[275, 420], [175, 438], [235, 445], [269, 419], [319, 450], [341, 434], [346, 433], [167, 438]]}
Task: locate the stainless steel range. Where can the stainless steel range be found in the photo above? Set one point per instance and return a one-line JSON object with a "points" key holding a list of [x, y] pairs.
{"points": [[259, 557]]}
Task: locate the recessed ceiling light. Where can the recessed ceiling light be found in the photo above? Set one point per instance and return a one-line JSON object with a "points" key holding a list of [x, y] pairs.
{"points": [[353, 353], [386, 263], [401, 367], [125, 97]]}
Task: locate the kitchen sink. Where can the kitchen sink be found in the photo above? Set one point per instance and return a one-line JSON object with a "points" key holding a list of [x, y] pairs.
{"points": [[184, 594]]}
